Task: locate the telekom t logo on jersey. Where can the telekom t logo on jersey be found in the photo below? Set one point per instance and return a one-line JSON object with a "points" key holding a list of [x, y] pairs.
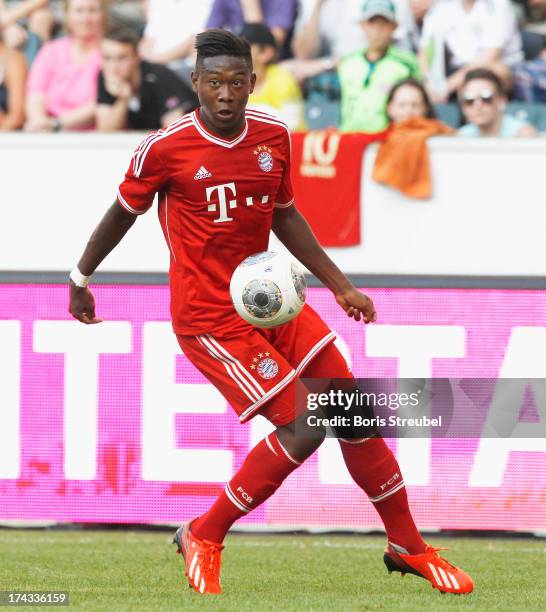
{"points": [[223, 204]]}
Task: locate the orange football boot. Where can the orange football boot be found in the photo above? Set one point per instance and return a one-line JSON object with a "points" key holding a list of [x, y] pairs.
{"points": [[203, 560], [429, 565]]}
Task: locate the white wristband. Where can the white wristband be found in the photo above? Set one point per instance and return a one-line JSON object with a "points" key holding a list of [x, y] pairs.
{"points": [[78, 278]]}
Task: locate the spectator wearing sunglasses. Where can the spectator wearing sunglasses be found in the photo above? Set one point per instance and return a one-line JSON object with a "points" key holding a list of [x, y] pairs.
{"points": [[483, 103], [367, 76]]}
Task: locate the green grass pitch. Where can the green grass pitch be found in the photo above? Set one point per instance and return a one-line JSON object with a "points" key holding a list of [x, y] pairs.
{"points": [[117, 570]]}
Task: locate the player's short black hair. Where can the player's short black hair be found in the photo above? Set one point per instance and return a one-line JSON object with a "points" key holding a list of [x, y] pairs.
{"points": [[486, 75], [122, 34], [213, 43]]}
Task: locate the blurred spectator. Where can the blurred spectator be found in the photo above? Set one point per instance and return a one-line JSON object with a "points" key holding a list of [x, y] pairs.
{"points": [[276, 90], [13, 72], [135, 94], [472, 33], [365, 77], [402, 161], [408, 98], [531, 11], [129, 13], [483, 102], [62, 85], [169, 35], [410, 15], [530, 79], [26, 25], [330, 28], [279, 15]]}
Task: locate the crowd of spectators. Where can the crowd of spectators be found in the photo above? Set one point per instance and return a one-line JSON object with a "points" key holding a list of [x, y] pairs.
{"points": [[126, 64]]}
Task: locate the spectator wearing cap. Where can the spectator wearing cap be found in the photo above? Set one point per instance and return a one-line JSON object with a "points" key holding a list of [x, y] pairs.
{"points": [[279, 15], [169, 35], [134, 94], [330, 28], [13, 72], [26, 25], [62, 84], [483, 102], [276, 91], [367, 76], [472, 34]]}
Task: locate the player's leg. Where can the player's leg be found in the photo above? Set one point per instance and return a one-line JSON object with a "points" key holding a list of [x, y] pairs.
{"points": [[267, 386], [262, 473], [266, 467], [374, 468]]}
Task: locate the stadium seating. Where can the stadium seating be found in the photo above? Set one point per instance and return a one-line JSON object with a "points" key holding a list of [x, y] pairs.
{"points": [[322, 114], [450, 114]]}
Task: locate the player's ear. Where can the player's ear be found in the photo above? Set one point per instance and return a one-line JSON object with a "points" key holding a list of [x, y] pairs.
{"points": [[194, 79], [252, 82]]}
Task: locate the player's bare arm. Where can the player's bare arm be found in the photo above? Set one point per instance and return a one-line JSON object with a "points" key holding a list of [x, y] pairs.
{"points": [[294, 232], [113, 226]]}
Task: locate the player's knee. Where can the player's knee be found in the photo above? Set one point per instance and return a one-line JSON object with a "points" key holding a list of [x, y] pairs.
{"points": [[299, 439], [301, 448]]}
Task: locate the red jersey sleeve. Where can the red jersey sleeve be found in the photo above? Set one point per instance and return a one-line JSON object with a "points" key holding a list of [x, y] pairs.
{"points": [[144, 178], [285, 195]]}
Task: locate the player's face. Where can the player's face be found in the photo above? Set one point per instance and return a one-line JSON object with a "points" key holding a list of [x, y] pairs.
{"points": [[223, 85]]}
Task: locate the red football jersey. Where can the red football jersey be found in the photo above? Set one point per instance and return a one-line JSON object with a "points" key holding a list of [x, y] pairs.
{"points": [[216, 202]]}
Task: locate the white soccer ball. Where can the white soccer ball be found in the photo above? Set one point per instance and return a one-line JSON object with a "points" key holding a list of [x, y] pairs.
{"points": [[268, 289]]}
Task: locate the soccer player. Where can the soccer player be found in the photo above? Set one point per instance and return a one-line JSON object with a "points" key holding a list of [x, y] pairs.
{"points": [[222, 175]]}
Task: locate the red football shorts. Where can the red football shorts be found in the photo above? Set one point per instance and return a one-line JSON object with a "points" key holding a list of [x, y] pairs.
{"points": [[257, 372]]}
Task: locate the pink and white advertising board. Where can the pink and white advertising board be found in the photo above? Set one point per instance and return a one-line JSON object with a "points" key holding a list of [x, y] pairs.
{"points": [[110, 423]]}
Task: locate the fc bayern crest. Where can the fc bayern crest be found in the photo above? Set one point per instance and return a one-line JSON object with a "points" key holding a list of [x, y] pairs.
{"points": [[265, 159], [267, 368]]}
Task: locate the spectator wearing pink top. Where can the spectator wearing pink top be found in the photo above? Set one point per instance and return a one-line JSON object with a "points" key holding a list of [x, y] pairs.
{"points": [[63, 80]]}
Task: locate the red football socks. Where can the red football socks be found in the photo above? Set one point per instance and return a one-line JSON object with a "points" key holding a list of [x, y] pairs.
{"points": [[374, 468], [262, 473]]}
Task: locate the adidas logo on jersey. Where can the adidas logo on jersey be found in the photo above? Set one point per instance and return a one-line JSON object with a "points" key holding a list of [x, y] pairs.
{"points": [[202, 173]]}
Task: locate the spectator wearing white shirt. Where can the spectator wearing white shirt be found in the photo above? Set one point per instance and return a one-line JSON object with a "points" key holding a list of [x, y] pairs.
{"points": [[327, 28], [473, 34], [170, 32]]}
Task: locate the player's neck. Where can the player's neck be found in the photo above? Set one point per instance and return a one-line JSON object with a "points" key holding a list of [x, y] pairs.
{"points": [[226, 132]]}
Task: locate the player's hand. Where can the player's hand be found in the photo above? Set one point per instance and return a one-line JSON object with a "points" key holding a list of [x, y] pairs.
{"points": [[357, 305], [82, 305]]}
